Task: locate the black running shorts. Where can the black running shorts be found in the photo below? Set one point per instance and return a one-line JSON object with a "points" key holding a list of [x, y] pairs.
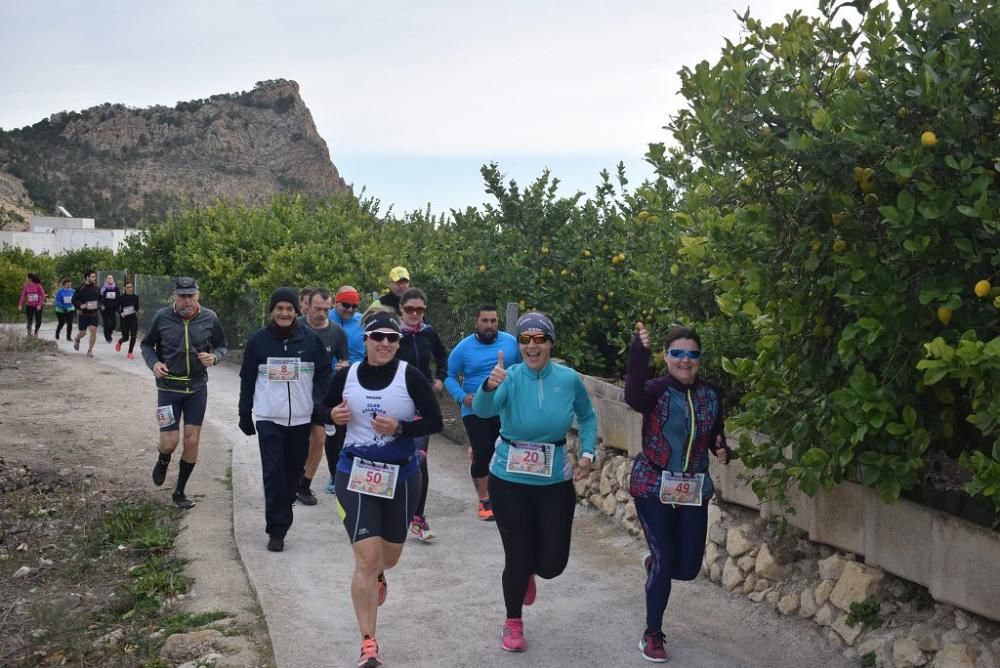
{"points": [[368, 516]]}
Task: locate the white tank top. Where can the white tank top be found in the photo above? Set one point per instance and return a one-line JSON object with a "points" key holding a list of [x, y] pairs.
{"points": [[365, 404]]}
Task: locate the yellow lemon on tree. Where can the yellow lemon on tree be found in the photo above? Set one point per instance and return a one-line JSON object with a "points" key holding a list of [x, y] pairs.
{"points": [[928, 139], [604, 308], [482, 268], [545, 249], [839, 246], [815, 246], [586, 253], [983, 289], [944, 314], [861, 75], [643, 215], [857, 174], [675, 269]]}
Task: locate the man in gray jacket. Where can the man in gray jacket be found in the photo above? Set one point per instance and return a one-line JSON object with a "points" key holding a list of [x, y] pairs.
{"points": [[182, 342]]}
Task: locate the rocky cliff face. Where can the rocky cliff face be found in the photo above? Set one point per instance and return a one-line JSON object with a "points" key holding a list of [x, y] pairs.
{"points": [[127, 167]]}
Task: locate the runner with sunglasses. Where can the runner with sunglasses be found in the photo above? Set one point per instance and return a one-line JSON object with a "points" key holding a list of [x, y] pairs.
{"points": [[421, 344], [346, 314], [683, 419], [472, 360], [378, 481], [531, 477]]}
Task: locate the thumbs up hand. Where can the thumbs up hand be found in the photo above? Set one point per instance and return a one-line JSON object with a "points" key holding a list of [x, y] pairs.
{"points": [[498, 375], [640, 330], [340, 414]]}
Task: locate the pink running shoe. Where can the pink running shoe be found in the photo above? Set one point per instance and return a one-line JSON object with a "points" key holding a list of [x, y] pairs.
{"points": [[531, 591], [652, 647], [369, 654], [512, 636]]}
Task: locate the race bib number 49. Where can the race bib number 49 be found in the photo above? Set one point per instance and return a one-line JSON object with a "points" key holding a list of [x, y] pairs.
{"points": [[373, 478], [283, 369], [531, 458], [681, 489]]}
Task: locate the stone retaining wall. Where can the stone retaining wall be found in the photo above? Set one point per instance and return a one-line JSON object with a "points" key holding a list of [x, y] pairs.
{"points": [[957, 561]]}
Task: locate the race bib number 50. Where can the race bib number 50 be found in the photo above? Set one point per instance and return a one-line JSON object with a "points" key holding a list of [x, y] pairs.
{"points": [[531, 458], [373, 478], [681, 489]]}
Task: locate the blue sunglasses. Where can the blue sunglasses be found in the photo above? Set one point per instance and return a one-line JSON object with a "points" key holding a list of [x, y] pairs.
{"points": [[679, 353]]}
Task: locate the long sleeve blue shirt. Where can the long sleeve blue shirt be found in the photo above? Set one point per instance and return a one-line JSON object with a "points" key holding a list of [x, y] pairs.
{"points": [[355, 335], [538, 406], [473, 361]]}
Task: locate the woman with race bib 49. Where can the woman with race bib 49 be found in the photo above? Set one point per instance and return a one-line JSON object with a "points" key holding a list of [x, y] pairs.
{"points": [[378, 473], [682, 420], [531, 476]]}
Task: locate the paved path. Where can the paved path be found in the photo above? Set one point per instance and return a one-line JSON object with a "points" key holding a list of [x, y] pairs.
{"points": [[445, 607]]}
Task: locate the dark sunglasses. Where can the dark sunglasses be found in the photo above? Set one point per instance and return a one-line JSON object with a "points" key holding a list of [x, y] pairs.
{"points": [[418, 310], [525, 339], [679, 353], [379, 337], [348, 306]]}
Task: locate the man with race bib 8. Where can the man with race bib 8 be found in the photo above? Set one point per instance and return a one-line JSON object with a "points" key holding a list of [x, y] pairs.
{"points": [[682, 419], [283, 379], [377, 480], [531, 476]]}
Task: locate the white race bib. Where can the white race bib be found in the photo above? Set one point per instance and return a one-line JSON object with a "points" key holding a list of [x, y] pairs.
{"points": [[165, 416], [681, 489], [283, 369], [373, 478], [67, 299], [109, 295], [531, 458], [128, 310], [91, 305], [32, 298]]}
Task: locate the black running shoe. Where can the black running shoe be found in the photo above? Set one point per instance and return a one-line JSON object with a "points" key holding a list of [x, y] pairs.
{"points": [[160, 471], [306, 497], [181, 501], [275, 544]]}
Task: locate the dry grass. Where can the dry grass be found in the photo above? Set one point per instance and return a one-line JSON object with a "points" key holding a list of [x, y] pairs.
{"points": [[15, 340]]}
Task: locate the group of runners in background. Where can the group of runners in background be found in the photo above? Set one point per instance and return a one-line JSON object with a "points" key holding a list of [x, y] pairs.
{"points": [[110, 305], [320, 377]]}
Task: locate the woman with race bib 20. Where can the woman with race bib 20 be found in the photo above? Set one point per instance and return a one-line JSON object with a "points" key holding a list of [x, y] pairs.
{"points": [[378, 473], [531, 475], [682, 420]]}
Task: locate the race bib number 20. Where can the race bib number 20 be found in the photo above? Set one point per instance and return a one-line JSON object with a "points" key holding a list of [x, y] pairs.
{"points": [[531, 458]]}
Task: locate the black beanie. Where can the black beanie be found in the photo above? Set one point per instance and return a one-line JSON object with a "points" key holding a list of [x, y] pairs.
{"points": [[284, 295]]}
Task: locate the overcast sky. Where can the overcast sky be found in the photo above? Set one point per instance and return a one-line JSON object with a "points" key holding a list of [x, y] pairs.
{"points": [[411, 97]]}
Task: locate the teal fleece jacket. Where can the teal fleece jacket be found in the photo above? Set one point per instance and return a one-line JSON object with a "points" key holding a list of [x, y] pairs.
{"points": [[538, 407]]}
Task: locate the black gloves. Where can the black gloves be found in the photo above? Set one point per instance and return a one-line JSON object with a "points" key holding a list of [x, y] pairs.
{"points": [[246, 424]]}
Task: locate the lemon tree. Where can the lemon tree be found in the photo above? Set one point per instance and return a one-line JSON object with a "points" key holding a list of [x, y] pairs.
{"points": [[842, 220]]}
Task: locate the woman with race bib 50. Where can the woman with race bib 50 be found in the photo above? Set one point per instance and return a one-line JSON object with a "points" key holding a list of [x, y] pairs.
{"points": [[378, 473]]}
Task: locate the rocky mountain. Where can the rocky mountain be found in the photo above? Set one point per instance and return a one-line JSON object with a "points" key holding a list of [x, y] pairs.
{"points": [[128, 167]]}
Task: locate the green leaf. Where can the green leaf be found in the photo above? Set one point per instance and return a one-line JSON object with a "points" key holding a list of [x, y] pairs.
{"points": [[967, 211], [821, 119]]}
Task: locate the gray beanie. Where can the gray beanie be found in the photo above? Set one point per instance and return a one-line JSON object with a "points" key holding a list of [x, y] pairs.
{"points": [[536, 320]]}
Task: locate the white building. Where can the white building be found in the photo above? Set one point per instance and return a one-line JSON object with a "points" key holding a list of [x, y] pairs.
{"points": [[54, 235]]}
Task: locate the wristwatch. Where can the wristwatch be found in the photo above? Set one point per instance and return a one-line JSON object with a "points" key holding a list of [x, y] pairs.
{"points": [[588, 455]]}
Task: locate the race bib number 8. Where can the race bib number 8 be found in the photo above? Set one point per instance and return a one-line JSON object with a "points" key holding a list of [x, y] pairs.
{"points": [[681, 489], [165, 416], [283, 369], [531, 458], [373, 478]]}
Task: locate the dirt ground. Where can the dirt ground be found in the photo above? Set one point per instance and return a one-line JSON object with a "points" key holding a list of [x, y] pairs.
{"points": [[73, 421]]}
